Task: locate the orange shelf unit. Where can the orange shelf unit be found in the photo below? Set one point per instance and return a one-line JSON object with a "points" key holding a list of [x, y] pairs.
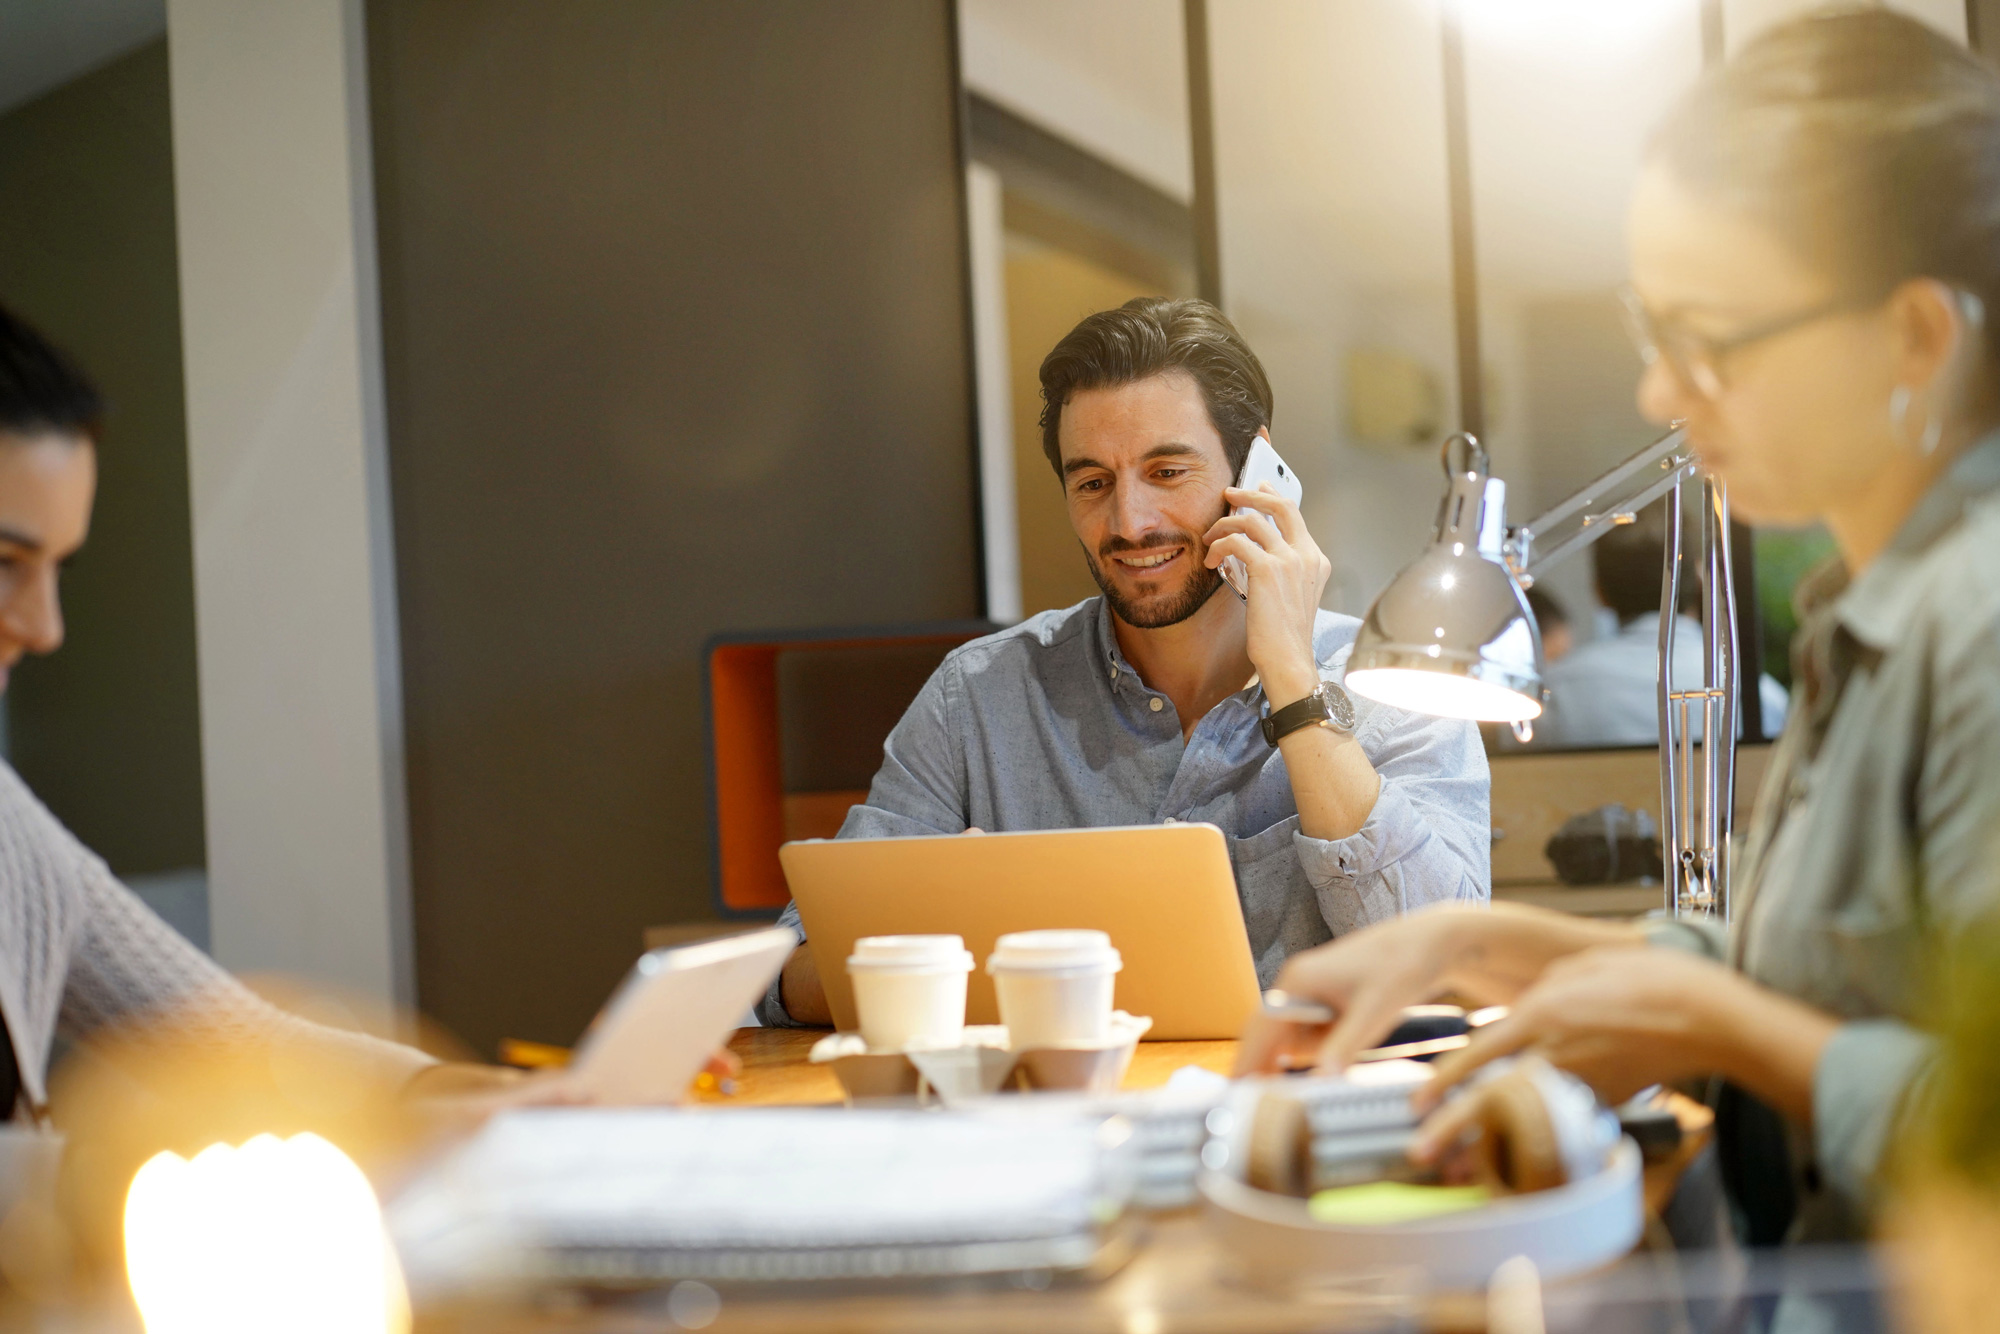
{"points": [[751, 814]]}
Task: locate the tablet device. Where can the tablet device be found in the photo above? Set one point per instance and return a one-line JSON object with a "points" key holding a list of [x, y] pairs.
{"points": [[675, 1007], [1164, 893]]}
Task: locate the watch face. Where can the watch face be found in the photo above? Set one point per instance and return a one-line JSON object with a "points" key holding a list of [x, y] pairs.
{"points": [[1339, 707]]}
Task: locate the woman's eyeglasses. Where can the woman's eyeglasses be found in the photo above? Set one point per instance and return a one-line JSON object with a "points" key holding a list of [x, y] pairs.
{"points": [[1697, 358]]}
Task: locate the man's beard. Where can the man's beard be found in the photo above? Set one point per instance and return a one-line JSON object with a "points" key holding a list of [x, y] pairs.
{"points": [[1160, 610]]}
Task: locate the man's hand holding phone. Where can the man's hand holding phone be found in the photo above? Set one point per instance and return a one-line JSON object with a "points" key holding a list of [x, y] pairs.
{"points": [[1283, 570]]}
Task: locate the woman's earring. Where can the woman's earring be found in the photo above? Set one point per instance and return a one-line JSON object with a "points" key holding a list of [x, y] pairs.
{"points": [[1899, 414]]}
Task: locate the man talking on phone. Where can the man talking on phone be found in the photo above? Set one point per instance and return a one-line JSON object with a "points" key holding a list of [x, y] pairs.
{"points": [[1171, 696]]}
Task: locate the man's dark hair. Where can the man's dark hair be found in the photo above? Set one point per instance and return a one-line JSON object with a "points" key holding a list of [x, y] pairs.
{"points": [[1549, 613], [1628, 561], [1150, 336], [41, 391]]}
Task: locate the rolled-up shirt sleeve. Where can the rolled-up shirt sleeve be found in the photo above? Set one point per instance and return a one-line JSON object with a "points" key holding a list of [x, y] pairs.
{"points": [[920, 789], [1692, 935], [1429, 837], [1866, 1080]]}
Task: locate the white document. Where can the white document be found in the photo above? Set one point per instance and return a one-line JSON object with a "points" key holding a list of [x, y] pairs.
{"points": [[539, 1193]]}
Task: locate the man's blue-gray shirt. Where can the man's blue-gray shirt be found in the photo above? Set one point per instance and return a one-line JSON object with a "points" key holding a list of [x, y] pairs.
{"points": [[1046, 726]]}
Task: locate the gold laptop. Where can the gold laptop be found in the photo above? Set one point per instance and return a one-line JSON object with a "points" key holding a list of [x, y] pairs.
{"points": [[1164, 893]]}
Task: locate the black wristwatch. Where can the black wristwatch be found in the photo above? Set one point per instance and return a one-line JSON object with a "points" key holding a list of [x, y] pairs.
{"points": [[1328, 706]]}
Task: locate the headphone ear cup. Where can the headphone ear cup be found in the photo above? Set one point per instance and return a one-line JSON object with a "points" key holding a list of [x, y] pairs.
{"points": [[1280, 1148], [1517, 1147]]}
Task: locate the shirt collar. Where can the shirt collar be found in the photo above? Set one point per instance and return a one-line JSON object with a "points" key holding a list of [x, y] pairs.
{"points": [[1118, 669], [1877, 606], [1113, 657]]}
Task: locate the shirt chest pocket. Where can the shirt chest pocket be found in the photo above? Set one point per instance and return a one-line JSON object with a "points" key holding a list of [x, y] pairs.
{"points": [[1858, 959], [1876, 947], [1265, 864]]}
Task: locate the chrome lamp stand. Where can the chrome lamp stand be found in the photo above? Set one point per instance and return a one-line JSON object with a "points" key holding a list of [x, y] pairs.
{"points": [[1697, 723], [1452, 634]]}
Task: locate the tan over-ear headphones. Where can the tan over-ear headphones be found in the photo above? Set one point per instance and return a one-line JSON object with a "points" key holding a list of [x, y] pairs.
{"points": [[1537, 1129]]}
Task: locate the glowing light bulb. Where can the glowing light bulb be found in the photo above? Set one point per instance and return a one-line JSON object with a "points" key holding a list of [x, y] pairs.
{"points": [[275, 1235], [1443, 694]]}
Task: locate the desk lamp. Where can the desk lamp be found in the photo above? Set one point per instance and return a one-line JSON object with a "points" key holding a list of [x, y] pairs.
{"points": [[1452, 635]]}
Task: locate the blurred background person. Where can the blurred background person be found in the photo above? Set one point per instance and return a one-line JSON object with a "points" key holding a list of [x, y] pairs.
{"points": [[1558, 636], [80, 954], [1606, 693]]}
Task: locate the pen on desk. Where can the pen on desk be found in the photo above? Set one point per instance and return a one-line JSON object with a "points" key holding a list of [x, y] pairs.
{"points": [[710, 1082], [533, 1055]]}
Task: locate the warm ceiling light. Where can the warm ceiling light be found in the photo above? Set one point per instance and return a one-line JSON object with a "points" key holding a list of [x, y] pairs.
{"points": [[277, 1235], [1575, 27]]}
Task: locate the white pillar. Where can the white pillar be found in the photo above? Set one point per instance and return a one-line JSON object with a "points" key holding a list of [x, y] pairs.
{"points": [[994, 387], [294, 577]]}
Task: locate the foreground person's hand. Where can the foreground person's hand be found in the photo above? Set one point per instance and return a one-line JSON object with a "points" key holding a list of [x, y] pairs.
{"points": [[1487, 956], [1618, 1018], [1366, 979], [460, 1096]]}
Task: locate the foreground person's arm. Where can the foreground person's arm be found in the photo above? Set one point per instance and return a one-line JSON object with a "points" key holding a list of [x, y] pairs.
{"points": [[1625, 1017], [130, 967]]}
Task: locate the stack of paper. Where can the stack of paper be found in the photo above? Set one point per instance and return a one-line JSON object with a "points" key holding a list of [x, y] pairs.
{"points": [[586, 1194]]}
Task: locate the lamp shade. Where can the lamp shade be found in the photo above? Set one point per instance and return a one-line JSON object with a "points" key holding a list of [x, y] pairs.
{"points": [[1452, 634]]}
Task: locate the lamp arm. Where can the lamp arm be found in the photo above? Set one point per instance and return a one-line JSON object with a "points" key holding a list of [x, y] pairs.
{"points": [[1697, 794], [1607, 502]]}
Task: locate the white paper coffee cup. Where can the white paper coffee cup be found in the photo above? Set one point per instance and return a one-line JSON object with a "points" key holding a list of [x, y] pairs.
{"points": [[910, 990], [1054, 987]]}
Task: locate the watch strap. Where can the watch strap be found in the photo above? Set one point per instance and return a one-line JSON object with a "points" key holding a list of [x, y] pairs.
{"points": [[1327, 706]]}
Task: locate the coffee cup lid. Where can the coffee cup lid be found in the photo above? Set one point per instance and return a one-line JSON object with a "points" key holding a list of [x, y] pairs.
{"points": [[911, 952], [1054, 949]]}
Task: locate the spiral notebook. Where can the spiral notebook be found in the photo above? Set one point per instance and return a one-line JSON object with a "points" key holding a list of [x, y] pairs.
{"points": [[625, 1195]]}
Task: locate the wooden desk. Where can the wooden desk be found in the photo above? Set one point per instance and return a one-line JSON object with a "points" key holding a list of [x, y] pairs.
{"points": [[1175, 1282], [1617, 901], [776, 1072]]}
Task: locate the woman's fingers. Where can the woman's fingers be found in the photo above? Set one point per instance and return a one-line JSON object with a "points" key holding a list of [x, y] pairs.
{"points": [[1371, 1017], [1272, 1044], [1443, 1127], [1502, 1038]]}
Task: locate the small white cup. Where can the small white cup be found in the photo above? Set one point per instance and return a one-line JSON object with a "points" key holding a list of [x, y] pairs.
{"points": [[1055, 987], [910, 990]]}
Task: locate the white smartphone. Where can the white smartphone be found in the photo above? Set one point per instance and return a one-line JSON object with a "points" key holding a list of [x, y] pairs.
{"points": [[1263, 465], [676, 1006]]}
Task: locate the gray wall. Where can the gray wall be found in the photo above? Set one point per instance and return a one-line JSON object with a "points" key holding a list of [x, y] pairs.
{"points": [[676, 342], [108, 730]]}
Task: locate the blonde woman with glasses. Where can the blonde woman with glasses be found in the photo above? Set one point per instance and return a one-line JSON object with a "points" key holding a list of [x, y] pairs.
{"points": [[1815, 245]]}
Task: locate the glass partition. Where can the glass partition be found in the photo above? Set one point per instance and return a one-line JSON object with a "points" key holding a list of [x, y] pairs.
{"points": [[1560, 96], [1079, 189], [1335, 228], [1335, 246]]}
